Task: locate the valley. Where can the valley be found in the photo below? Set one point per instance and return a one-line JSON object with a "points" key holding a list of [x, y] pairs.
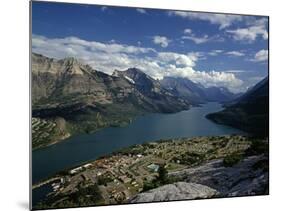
{"points": [[88, 100], [130, 138]]}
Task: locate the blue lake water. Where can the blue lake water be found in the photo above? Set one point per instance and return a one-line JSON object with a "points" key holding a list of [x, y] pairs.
{"points": [[151, 127]]}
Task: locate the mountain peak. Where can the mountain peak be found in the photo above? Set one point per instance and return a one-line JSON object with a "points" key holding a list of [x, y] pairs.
{"points": [[71, 61], [134, 70], [116, 73]]}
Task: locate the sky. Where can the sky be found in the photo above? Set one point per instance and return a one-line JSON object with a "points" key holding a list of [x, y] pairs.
{"points": [[207, 48]]}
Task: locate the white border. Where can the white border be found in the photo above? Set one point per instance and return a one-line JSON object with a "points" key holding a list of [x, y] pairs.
{"points": [[14, 86]]}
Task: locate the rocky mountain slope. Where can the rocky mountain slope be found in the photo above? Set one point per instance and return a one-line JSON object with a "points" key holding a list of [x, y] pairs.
{"points": [[88, 99], [157, 95], [67, 81], [250, 112], [185, 88]]}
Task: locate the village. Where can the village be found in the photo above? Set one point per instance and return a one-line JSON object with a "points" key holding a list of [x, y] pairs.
{"points": [[123, 174]]}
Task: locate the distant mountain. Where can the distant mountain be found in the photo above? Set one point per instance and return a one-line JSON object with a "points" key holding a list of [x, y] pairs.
{"points": [[156, 95], [185, 88], [219, 94], [144, 83], [260, 90], [91, 99], [250, 112], [196, 93]]}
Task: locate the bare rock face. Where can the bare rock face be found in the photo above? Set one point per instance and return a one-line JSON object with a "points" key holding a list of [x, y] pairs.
{"points": [[243, 179], [176, 191], [210, 180], [68, 82]]}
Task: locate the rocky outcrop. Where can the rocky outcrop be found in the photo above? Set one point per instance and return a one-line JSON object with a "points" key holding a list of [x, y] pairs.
{"points": [[211, 180], [176, 191], [244, 178]]}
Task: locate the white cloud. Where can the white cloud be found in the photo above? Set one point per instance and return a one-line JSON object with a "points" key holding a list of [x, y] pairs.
{"points": [[187, 31], [189, 35], [203, 39], [197, 40], [207, 79], [235, 53], [215, 52], [222, 20], [140, 10], [161, 40], [177, 59], [261, 56], [249, 34], [107, 57], [196, 55], [258, 28], [235, 71], [104, 8]]}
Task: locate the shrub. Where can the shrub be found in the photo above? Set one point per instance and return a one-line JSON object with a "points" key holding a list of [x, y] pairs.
{"points": [[104, 180], [150, 185], [160, 180], [258, 147], [231, 160]]}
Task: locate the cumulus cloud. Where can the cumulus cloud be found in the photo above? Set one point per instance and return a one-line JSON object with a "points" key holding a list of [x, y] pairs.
{"points": [[179, 60], [107, 57], [161, 40], [140, 10], [261, 56], [222, 20], [249, 34], [235, 53], [258, 28], [207, 79]]}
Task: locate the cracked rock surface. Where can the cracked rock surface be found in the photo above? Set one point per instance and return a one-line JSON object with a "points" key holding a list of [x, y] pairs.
{"points": [[176, 191]]}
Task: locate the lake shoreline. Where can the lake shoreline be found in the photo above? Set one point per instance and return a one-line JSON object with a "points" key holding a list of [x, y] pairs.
{"points": [[143, 129], [121, 124]]}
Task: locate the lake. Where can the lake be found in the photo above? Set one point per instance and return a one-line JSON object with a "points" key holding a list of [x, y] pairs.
{"points": [[151, 127]]}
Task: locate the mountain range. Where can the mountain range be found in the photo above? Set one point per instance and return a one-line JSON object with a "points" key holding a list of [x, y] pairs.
{"points": [[196, 93], [88, 99], [91, 99]]}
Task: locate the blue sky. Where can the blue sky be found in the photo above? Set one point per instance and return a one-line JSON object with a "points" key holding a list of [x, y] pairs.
{"points": [[211, 49]]}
